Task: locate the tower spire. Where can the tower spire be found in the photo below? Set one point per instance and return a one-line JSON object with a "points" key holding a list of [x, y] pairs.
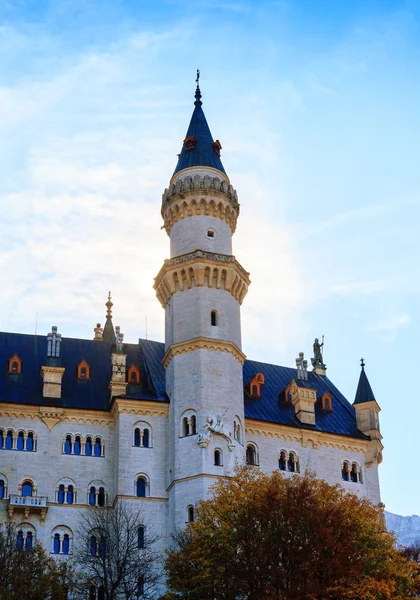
{"points": [[198, 91], [109, 333]]}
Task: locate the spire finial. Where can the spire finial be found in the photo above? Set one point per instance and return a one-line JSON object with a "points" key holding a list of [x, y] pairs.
{"points": [[362, 363], [109, 306], [197, 91]]}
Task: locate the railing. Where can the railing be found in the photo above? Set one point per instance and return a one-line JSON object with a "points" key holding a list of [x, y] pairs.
{"points": [[29, 501]]}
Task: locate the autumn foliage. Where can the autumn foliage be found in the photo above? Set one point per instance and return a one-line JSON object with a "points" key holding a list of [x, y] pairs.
{"points": [[262, 537]]}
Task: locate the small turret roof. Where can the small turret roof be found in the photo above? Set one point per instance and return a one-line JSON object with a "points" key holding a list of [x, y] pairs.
{"points": [[203, 153], [109, 332], [364, 392]]}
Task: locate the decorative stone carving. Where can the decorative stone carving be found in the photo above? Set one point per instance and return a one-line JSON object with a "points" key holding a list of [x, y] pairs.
{"points": [[215, 425], [51, 415], [203, 343]]}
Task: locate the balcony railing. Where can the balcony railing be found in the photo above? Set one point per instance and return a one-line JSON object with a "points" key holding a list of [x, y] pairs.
{"points": [[34, 504]]}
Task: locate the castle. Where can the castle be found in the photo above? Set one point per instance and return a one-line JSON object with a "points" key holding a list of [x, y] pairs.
{"points": [[89, 422]]}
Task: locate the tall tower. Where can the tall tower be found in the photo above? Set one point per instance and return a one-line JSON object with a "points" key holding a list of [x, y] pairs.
{"points": [[201, 287]]}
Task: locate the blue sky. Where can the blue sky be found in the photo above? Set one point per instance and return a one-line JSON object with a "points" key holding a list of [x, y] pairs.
{"points": [[317, 108]]}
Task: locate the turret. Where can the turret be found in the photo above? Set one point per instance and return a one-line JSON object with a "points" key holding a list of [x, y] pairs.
{"points": [[367, 416], [201, 286]]}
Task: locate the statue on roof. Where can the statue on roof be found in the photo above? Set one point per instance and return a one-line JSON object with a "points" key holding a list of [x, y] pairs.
{"points": [[318, 359]]}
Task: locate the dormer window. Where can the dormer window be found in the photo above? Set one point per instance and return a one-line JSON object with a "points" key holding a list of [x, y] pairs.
{"points": [[15, 365], [83, 371], [255, 385], [190, 143], [326, 401], [133, 375]]}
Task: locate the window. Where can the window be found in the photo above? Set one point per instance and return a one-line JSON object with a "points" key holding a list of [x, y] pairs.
{"points": [[9, 440], [133, 375], [30, 445], [77, 446], [28, 541], [345, 471], [2, 489], [101, 497], [88, 446], [255, 385], [292, 463], [188, 424], [1, 439], [97, 450], [210, 233], [70, 494], [146, 438], [251, 455], [141, 487], [20, 441], [92, 546], [218, 458], [25, 537], [326, 401], [56, 544], [140, 536], [15, 365], [83, 370], [237, 430], [282, 461], [66, 543], [137, 437], [140, 586], [213, 318], [97, 495], [67, 445], [27, 488], [60, 494], [142, 435], [19, 540], [190, 514]]}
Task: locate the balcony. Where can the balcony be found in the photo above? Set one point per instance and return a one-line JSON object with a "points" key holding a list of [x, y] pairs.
{"points": [[28, 504]]}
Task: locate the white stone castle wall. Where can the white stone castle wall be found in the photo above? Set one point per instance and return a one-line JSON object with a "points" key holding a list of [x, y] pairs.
{"points": [[191, 234]]}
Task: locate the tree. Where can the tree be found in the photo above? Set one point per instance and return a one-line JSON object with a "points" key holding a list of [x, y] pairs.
{"points": [[29, 574], [275, 538], [116, 556]]}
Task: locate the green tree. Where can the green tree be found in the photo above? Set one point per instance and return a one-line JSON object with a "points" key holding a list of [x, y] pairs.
{"points": [[275, 538], [29, 575], [114, 556]]}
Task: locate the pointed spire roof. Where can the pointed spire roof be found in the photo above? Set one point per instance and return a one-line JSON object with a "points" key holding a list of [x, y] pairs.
{"points": [[364, 391], [199, 149], [109, 333]]}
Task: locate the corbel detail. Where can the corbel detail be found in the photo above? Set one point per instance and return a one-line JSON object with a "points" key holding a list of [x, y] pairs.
{"points": [[203, 343]]}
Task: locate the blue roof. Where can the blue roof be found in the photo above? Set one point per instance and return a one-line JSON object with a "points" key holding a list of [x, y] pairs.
{"points": [[364, 392], [203, 153], [147, 357]]}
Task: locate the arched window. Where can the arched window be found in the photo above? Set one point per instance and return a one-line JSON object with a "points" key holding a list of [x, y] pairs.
{"points": [[354, 473], [251, 455], [133, 375], [101, 548], [77, 445], [141, 487], [67, 445], [213, 318], [56, 544], [218, 458], [92, 496], [282, 461], [27, 488], [345, 471], [2, 489], [97, 447], [185, 427], [190, 513], [291, 463], [30, 446], [237, 430], [145, 438], [83, 370], [1, 440], [20, 441], [9, 440], [140, 586], [140, 536], [70, 494], [66, 543], [101, 497], [19, 540], [137, 437], [92, 545], [14, 367], [60, 494], [193, 428], [28, 541], [88, 446]]}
